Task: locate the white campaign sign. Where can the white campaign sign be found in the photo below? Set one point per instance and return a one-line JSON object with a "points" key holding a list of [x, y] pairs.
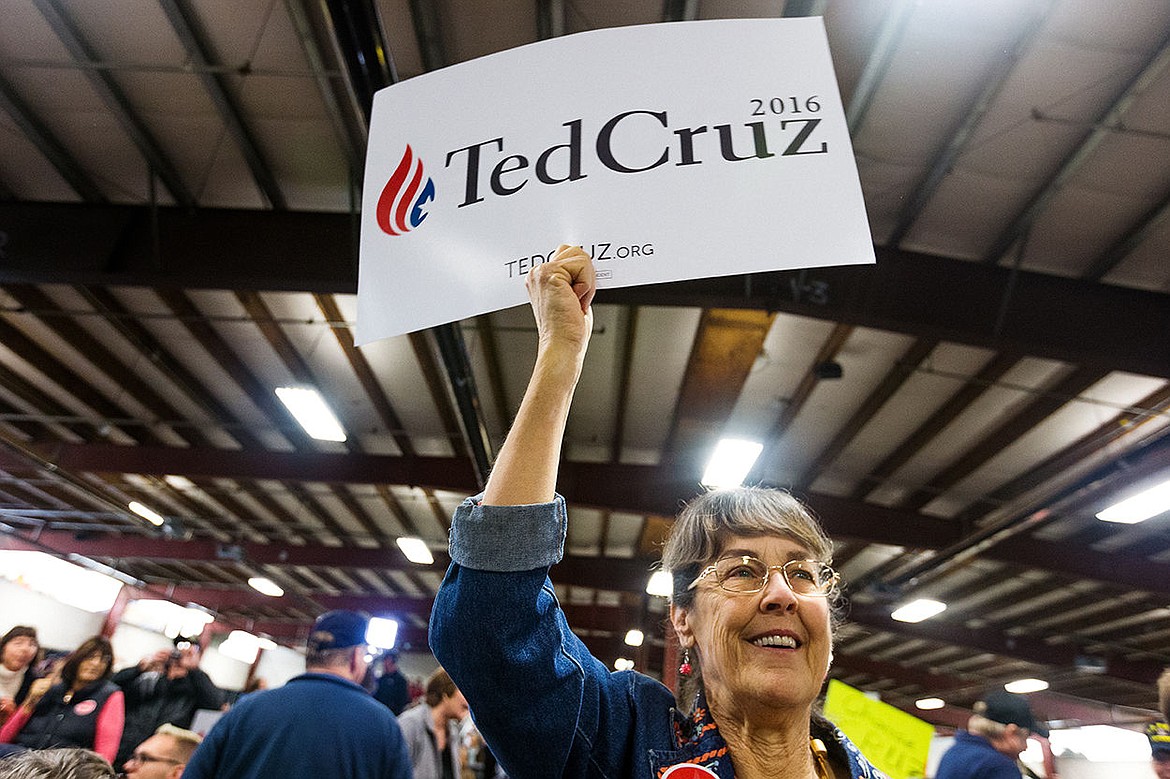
{"points": [[668, 151]]}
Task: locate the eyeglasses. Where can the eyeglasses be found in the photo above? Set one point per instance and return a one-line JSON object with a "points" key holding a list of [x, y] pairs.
{"points": [[142, 757], [746, 574]]}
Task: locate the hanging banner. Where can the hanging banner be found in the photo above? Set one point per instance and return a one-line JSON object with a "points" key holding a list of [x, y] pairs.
{"points": [[668, 151]]}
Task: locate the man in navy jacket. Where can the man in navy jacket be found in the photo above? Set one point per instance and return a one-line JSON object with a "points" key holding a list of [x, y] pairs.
{"points": [[995, 736], [322, 723]]}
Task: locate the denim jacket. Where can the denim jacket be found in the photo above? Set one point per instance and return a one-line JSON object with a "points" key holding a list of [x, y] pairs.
{"points": [[544, 704]]}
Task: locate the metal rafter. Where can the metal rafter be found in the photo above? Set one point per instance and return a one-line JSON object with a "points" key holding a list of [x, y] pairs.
{"points": [[841, 518], [39, 134], [772, 439], [182, 19], [724, 350], [906, 292], [115, 99], [1075, 160], [944, 161]]}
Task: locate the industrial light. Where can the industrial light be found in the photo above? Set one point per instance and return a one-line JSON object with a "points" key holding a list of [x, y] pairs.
{"points": [[147, 513], [382, 632], [930, 704], [661, 583], [918, 610], [622, 664], [731, 462], [1026, 685], [66, 582], [1140, 507], [181, 483], [241, 645], [635, 637], [311, 412], [415, 549], [266, 586]]}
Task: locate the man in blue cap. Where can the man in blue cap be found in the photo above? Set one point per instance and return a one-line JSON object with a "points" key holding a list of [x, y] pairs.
{"points": [[320, 724], [991, 745]]}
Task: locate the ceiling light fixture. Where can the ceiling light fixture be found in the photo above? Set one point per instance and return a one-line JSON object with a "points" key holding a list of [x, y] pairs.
{"points": [[622, 664], [147, 513], [930, 704], [635, 637], [266, 586], [382, 632], [730, 463], [415, 549], [311, 411], [918, 610], [1140, 507], [1026, 685], [661, 584]]}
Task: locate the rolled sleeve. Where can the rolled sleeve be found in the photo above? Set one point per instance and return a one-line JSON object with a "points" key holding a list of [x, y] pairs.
{"points": [[508, 538]]}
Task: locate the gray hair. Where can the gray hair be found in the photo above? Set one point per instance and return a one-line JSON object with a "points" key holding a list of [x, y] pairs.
{"points": [[69, 763], [981, 726], [703, 527]]}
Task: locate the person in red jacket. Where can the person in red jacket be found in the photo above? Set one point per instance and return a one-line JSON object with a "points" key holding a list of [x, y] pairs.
{"points": [[84, 709]]}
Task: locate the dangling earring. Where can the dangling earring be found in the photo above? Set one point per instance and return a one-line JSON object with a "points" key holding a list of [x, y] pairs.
{"points": [[685, 669]]}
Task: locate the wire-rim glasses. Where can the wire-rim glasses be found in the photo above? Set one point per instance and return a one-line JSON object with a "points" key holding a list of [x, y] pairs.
{"points": [[744, 574], [142, 757]]}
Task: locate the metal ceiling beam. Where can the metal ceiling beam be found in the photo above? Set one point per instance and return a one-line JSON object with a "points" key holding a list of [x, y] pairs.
{"points": [[38, 133], [622, 487], [360, 38], [340, 101], [944, 161], [1081, 322], [550, 19], [1032, 650], [120, 106], [891, 32], [1072, 164], [182, 19]]}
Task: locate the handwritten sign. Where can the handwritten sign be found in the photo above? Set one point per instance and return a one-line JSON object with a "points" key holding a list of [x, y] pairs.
{"points": [[891, 739], [669, 151]]}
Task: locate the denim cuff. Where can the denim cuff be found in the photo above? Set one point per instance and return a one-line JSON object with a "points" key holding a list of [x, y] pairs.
{"points": [[508, 538]]}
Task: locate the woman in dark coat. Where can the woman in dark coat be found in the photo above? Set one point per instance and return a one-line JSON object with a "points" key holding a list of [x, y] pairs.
{"points": [[84, 709]]}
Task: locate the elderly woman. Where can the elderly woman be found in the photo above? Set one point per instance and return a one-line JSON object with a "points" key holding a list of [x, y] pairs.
{"points": [[751, 608], [84, 709], [18, 651]]}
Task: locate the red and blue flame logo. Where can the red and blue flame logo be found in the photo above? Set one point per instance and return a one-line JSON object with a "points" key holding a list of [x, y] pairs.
{"points": [[401, 204]]}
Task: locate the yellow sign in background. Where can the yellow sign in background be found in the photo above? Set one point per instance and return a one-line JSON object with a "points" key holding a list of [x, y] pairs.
{"points": [[891, 739]]}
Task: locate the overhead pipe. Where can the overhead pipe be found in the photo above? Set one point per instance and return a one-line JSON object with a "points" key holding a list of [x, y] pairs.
{"points": [[371, 67]]}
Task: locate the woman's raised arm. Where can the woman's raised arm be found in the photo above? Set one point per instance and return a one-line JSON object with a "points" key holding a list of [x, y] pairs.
{"points": [[561, 292]]}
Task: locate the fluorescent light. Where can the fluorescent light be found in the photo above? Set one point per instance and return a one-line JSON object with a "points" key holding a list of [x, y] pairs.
{"points": [[415, 549], [929, 704], [729, 465], [1026, 685], [382, 632], [1140, 507], [661, 583], [635, 637], [311, 412], [181, 483], [147, 513], [266, 586], [66, 582], [622, 664], [918, 610], [240, 645]]}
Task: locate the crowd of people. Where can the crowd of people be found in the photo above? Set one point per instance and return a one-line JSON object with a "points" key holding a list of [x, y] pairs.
{"points": [[753, 608], [70, 716]]}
